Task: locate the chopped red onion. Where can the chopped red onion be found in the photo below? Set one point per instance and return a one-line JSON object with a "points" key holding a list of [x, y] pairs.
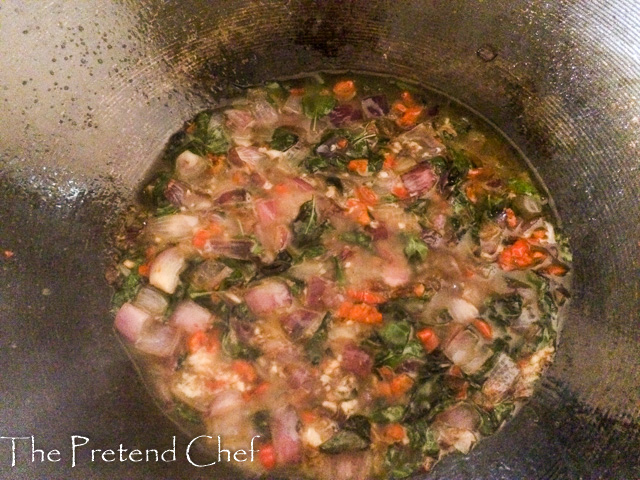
{"points": [[239, 120], [501, 379], [236, 195], [467, 351], [209, 274], [151, 300], [225, 402], [190, 166], [419, 179], [159, 340], [268, 296], [191, 317], [267, 211], [375, 106], [286, 440], [302, 185], [240, 156], [130, 321], [345, 113], [356, 360], [315, 290], [461, 415], [240, 249], [421, 141], [166, 269], [298, 321], [175, 192], [264, 113], [172, 228]]}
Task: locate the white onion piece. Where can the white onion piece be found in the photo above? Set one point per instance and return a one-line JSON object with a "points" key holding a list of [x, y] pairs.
{"points": [[501, 379], [461, 415], [421, 141], [130, 321], [267, 211], [264, 113], [467, 351], [286, 440], [151, 300], [239, 120], [293, 105], [462, 311], [209, 274], [246, 155], [226, 402], [159, 340], [190, 166], [191, 317], [166, 269], [268, 297], [172, 228]]}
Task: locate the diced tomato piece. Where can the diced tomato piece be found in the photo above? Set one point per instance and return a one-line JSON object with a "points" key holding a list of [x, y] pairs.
{"points": [[539, 234], [400, 191], [384, 389], [144, 269], [399, 107], [358, 211], [389, 161], [394, 432], [344, 90], [342, 143], [555, 269], [419, 289], [429, 339], [200, 238], [215, 384], [281, 189], [512, 220], [359, 165], [484, 328], [200, 339], [516, 256], [267, 456], [401, 384], [367, 196], [366, 296], [360, 312], [409, 117], [297, 92], [307, 416], [246, 371]]}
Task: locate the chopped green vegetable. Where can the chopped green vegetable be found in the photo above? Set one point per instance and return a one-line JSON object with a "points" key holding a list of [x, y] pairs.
{"points": [[306, 228], [316, 104], [356, 237], [233, 347], [392, 414], [522, 186], [261, 420], [187, 413], [415, 249], [127, 291], [355, 435], [504, 309], [316, 344], [395, 335], [283, 139]]}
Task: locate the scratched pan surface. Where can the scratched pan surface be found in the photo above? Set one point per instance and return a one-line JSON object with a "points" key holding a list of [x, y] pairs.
{"points": [[90, 92]]}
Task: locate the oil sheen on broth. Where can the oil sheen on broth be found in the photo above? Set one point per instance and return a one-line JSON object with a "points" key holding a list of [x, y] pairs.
{"points": [[353, 268]]}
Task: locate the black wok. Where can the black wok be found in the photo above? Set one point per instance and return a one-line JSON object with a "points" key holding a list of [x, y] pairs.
{"points": [[91, 91]]}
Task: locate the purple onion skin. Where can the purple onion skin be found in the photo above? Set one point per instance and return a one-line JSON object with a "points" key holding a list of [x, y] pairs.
{"points": [[375, 106], [233, 196], [175, 192], [344, 113]]}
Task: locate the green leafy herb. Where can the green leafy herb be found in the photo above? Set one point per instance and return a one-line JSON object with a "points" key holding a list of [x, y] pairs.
{"points": [[283, 139], [390, 414], [412, 350], [355, 435], [401, 461], [423, 438], [420, 207], [522, 186], [504, 309], [233, 347], [415, 249], [280, 264], [306, 228], [206, 138], [127, 291], [316, 104], [276, 93], [315, 164], [395, 335], [187, 413], [261, 420], [356, 237], [316, 344], [339, 271]]}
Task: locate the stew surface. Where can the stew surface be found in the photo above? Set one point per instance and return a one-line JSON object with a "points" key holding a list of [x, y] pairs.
{"points": [[355, 270]]}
